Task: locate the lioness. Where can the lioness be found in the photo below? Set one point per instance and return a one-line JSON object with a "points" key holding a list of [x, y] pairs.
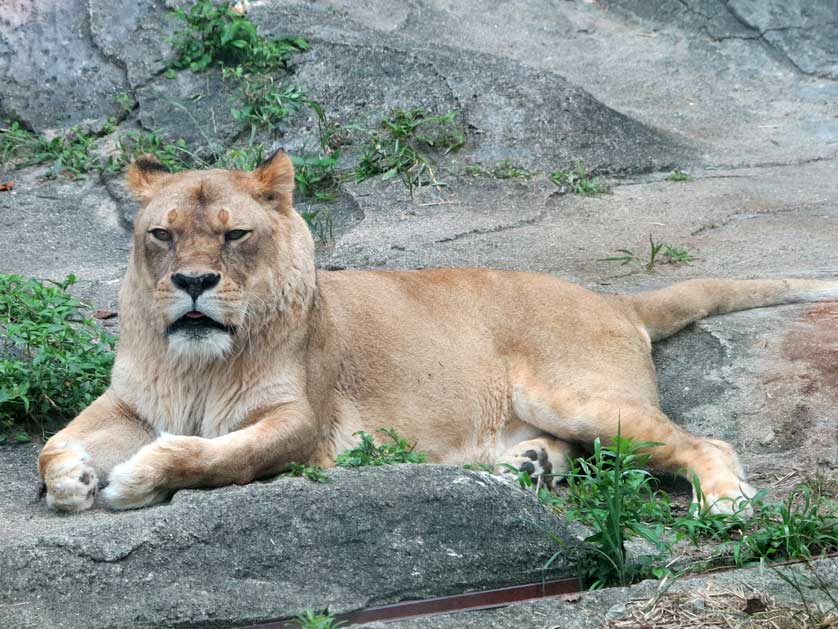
{"points": [[236, 357]]}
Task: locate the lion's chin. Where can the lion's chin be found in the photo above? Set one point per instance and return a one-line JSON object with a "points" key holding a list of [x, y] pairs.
{"points": [[201, 346]]}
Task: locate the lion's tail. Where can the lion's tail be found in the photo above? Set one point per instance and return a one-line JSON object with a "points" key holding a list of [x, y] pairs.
{"points": [[667, 310]]}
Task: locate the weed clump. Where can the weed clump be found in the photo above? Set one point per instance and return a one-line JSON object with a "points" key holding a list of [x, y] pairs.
{"points": [[659, 253], [579, 182], [54, 359], [69, 153], [368, 453], [311, 472], [400, 146], [619, 500], [311, 619], [678, 175]]}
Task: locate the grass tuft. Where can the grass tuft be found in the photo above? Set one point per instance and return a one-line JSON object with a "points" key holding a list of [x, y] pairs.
{"points": [[69, 153], [677, 175], [659, 253], [368, 453], [401, 146], [614, 495], [311, 472], [310, 619], [579, 182]]}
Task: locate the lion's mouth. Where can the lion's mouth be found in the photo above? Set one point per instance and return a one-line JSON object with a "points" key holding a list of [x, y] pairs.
{"points": [[199, 324]]}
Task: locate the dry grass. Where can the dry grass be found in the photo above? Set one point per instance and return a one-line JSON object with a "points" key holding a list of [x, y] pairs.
{"points": [[728, 608]]}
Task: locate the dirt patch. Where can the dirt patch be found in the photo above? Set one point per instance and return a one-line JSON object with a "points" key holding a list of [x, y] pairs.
{"points": [[816, 343], [713, 607]]}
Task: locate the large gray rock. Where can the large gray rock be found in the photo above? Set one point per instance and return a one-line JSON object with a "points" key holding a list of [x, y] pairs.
{"points": [[806, 33], [247, 554], [803, 33], [52, 74], [510, 110]]}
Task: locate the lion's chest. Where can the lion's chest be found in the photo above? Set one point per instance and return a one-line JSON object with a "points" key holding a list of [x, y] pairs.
{"points": [[187, 408]]}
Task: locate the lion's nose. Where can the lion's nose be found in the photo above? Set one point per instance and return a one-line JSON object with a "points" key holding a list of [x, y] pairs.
{"points": [[195, 283]]}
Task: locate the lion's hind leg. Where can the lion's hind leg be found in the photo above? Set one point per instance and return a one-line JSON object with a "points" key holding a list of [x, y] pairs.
{"points": [[580, 417], [546, 459]]}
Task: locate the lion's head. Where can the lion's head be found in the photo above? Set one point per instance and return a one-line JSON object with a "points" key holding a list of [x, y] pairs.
{"points": [[218, 254]]}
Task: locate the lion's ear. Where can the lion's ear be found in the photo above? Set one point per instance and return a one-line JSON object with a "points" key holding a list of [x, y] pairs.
{"points": [[275, 181], [144, 176]]}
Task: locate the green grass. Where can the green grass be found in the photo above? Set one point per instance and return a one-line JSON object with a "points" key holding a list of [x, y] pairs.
{"points": [[68, 153], [579, 182], [175, 156], [402, 144], [367, 453], [54, 359], [659, 253], [618, 499], [126, 102], [212, 35], [263, 100], [677, 175], [505, 169], [316, 176], [311, 472], [310, 619], [613, 494]]}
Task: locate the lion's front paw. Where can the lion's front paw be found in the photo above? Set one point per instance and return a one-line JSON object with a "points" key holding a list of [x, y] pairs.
{"points": [[133, 485], [70, 481], [146, 478]]}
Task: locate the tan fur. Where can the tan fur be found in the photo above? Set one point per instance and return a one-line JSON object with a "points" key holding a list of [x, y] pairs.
{"points": [[471, 364]]}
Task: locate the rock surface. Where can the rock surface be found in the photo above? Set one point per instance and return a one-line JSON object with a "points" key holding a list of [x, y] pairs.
{"points": [[242, 555], [741, 94]]}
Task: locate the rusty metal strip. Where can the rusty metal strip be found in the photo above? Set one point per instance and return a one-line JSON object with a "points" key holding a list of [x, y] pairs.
{"points": [[470, 601]]}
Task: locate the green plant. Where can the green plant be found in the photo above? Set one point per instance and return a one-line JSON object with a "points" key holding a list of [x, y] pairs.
{"points": [[368, 453], [612, 493], [54, 359], [399, 147], [69, 153], [804, 525], [175, 156], [659, 253], [125, 101], [505, 169], [311, 472], [215, 35], [617, 498], [579, 182], [310, 619], [316, 176], [264, 101], [246, 158], [677, 175]]}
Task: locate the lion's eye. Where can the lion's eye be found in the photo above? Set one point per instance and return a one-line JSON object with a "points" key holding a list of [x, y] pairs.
{"points": [[161, 234], [236, 234]]}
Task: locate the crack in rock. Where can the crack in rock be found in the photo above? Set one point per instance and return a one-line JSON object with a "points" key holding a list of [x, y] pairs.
{"points": [[496, 229], [739, 215]]}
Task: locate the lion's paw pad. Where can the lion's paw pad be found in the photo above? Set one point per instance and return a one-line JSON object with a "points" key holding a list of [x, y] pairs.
{"points": [[72, 486], [535, 462]]}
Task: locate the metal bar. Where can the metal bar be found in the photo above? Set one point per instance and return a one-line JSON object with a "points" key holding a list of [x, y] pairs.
{"points": [[470, 601]]}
